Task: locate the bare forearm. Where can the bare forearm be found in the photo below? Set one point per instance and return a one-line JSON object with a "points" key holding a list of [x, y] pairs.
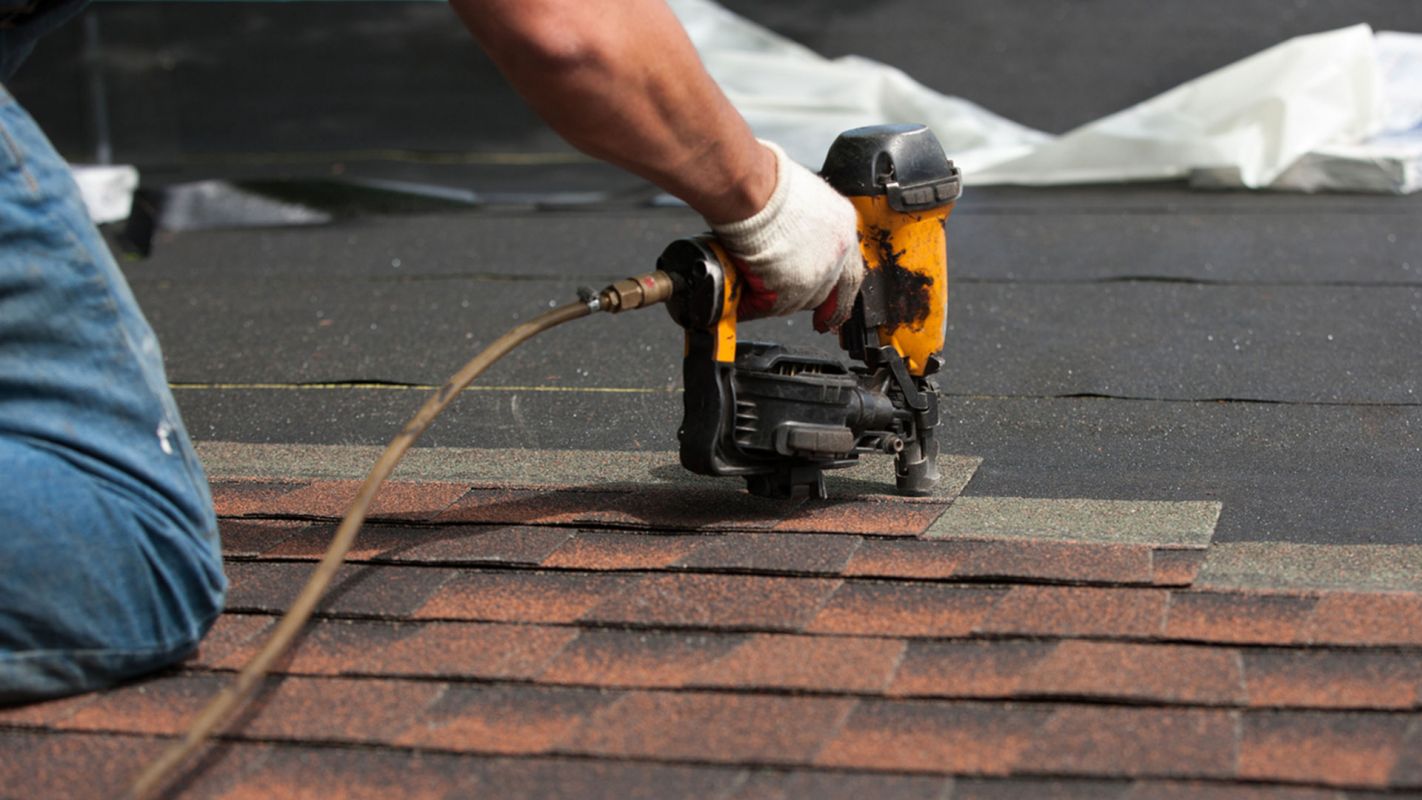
{"points": [[620, 80]]}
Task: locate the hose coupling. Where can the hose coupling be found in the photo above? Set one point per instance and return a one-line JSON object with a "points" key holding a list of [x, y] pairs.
{"points": [[638, 292]]}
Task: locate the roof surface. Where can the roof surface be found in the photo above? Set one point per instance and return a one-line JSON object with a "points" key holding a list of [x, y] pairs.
{"points": [[1178, 553]]}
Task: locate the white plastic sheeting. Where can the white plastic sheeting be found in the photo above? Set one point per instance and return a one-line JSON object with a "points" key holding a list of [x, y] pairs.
{"points": [[107, 190], [1340, 110]]}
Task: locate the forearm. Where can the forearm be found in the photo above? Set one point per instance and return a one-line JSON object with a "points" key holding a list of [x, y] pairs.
{"points": [[620, 80]]}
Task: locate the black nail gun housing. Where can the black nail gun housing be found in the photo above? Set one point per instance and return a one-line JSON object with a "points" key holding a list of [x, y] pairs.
{"points": [[778, 416]]}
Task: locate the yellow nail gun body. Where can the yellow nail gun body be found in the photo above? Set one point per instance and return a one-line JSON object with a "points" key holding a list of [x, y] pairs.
{"points": [[780, 417]]}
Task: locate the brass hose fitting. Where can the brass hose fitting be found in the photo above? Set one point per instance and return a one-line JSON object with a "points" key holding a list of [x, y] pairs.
{"points": [[639, 292]]}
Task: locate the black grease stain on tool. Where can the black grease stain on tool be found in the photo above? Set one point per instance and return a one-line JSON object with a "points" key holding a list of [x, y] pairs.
{"points": [[904, 296]]}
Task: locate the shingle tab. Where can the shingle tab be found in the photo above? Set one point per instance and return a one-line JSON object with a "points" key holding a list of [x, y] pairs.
{"points": [[71, 766], [1238, 617], [1147, 673], [818, 554], [501, 719], [712, 727], [357, 589], [255, 537], [446, 544], [911, 736], [396, 500], [607, 550], [1336, 749], [873, 608], [236, 498], [716, 601], [1079, 611], [639, 658], [519, 596], [1156, 742], [339, 709], [1333, 679], [805, 663], [967, 669]]}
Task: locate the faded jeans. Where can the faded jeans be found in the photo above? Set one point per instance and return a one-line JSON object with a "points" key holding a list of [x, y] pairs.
{"points": [[109, 564]]}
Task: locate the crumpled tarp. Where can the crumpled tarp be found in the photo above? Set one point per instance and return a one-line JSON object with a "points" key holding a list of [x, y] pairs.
{"points": [[1340, 110], [107, 190]]}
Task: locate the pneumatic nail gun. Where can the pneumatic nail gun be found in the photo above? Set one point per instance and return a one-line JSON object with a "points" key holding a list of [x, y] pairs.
{"points": [[779, 417]]}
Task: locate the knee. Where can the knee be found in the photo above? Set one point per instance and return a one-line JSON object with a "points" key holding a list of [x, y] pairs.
{"points": [[105, 589]]}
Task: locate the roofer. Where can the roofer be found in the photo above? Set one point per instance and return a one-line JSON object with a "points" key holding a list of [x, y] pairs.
{"points": [[109, 561]]}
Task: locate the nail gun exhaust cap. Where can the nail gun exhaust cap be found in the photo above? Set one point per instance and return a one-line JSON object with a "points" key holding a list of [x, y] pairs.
{"points": [[903, 161]]}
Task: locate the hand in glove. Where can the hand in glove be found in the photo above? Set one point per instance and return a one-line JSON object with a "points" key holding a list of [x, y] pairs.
{"points": [[800, 251]]}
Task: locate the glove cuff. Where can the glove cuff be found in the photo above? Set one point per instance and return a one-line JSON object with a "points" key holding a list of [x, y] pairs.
{"points": [[754, 233]]}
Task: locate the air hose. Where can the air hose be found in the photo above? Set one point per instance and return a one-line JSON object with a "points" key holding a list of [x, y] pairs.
{"points": [[624, 295]]}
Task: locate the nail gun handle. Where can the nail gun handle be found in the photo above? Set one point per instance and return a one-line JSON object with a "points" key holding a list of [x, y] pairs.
{"points": [[707, 294], [903, 188]]}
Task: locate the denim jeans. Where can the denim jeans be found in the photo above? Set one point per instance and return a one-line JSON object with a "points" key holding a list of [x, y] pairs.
{"points": [[109, 564]]}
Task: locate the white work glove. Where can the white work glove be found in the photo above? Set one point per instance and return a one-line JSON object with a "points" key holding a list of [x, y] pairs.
{"points": [[800, 251]]}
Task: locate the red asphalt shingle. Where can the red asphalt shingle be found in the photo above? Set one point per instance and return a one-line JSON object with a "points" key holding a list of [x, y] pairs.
{"points": [[396, 500], [766, 785], [1163, 674], [805, 553], [357, 589], [1339, 749], [1370, 619], [1057, 561], [807, 663], [256, 537], [622, 551], [637, 658], [338, 709], [657, 507], [1242, 618], [1136, 742], [530, 507], [1176, 674], [501, 719], [721, 601], [1030, 668], [1333, 679], [546, 597], [872, 608], [448, 544], [237, 498], [914, 736], [232, 640], [1171, 567], [715, 728], [430, 649], [878, 518], [967, 669], [154, 707], [1078, 611], [71, 766]]}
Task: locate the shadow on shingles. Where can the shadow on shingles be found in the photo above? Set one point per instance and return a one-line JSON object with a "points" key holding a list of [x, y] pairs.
{"points": [[660, 507], [650, 510], [838, 486]]}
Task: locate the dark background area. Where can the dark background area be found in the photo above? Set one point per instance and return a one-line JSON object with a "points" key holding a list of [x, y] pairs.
{"points": [[193, 81]]}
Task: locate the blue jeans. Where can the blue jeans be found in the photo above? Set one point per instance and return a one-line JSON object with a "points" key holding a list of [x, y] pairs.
{"points": [[109, 561]]}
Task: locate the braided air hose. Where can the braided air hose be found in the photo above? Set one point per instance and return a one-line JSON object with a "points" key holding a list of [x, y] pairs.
{"points": [[624, 295]]}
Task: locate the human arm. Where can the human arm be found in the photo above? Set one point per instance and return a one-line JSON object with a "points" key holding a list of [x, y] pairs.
{"points": [[621, 81]]}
